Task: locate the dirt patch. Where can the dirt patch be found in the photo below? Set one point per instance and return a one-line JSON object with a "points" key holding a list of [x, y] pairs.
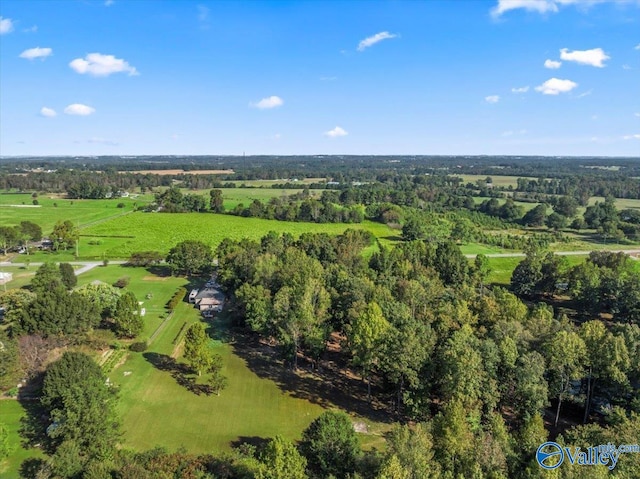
{"points": [[361, 427], [154, 278], [181, 172]]}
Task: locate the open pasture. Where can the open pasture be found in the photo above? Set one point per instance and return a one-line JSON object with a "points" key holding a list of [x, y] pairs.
{"points": [[160, 232], [17, 207], [497, 180]]}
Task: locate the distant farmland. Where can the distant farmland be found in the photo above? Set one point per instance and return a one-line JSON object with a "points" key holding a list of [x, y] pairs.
{"points": [[181, 172]]}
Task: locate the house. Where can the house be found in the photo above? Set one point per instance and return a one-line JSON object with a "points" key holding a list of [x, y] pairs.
{"points": [[192, 295], [5, 277], [210, 298]]}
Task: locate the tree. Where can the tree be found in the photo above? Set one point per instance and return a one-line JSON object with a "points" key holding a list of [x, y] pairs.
{"points": [[64, 235], [451, 264], [413, 229], [217, 381], [535, 216], [216, 202], [14, 302], [190, 257], [31, 230], [368, 327], [127, 320], [8, 238], [103, 296], [68, 275], [145, 258], [566, 353], [481, 270], [47, 277], [281, 460], [556, 221], [412, 448], [10, 369], [80, 405], [566, 206], [331, 445], [196, 348]]}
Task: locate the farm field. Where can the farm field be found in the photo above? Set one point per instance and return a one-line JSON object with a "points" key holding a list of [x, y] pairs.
{"points": [[234, 196], [497, 180], [17, 207]]}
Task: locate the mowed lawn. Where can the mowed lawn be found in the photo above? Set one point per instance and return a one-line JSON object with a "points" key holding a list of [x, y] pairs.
{"points": [[11, 412]]}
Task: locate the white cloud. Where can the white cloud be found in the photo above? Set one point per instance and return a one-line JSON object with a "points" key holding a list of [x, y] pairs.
{"points": [[540, 6], [336, 132], [492, 98], [637, 114], [32, 29], [99, 65], [6, 25], [552, 64], [276, 137], [631, 137], [586, 93], [328, 78], [108, 3], [523, 89], [594, 57], [372, 40], [511, 132], [637, 47], [554, 86], [626, 67], [48, 112], [269, 102], [36, 52], [546, 6], [203, 13], [79, 109]]}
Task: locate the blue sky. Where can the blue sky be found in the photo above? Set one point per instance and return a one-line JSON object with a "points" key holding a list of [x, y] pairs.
{"points": [[521, 77]]}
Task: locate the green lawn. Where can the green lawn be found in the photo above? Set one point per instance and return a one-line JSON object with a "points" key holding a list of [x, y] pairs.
{"points": [[234, 196], [497, 180], [502, 268], [11, 411]]}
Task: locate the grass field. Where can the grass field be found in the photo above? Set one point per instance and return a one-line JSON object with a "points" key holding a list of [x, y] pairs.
{"points": [[11, 412], [497, 180], [16, 207]]}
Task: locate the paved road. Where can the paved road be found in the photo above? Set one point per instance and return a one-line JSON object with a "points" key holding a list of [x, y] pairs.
{"points": [[84, 265], [559, 253]]}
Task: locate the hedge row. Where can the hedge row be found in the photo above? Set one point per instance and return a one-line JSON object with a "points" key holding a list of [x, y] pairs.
{"points": [[176, 299]]}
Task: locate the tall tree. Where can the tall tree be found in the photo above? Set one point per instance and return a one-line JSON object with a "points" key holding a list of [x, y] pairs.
{"points": [[64, 235], [80, 405], [216, 202], [566, 353], [196, 348], [368, 328], [190, 257], [68, 275], [127, 320]]}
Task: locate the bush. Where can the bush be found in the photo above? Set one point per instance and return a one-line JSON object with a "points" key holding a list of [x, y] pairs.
{"points": [[122, 282], [120, 205], [139, 346], [176, 299], [35, 202]]}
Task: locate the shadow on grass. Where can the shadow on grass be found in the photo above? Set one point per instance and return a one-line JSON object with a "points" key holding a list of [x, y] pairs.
{"points": [[255, 441], [329, 386], [180, 372]]}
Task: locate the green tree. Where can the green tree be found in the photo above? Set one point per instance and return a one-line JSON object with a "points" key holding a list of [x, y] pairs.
{"points": [[14, 302], [10, 369], [281, 460], [127, 321], [368, 328], [412, 449], [413, 229], [331, 445], [190, 257], [556, 221], [566, 353], [103, 296], [64, 235], [196, 348], [8, 238], [217, 381], [47, 277], [31, 230], [566, 206], [68, 275], [216, 202], [451, 264], [607, 358], [535, 216], [80, 405], [481, 270]]}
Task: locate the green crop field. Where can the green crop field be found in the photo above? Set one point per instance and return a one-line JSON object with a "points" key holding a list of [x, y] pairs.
{"points": [[621, 203], [497, 180], [234, 196]]}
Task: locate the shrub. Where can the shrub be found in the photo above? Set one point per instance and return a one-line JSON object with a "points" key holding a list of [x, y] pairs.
{"points": [[122, 282], [35, 202], [120, 205], [139, 346], [176, 299]]}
